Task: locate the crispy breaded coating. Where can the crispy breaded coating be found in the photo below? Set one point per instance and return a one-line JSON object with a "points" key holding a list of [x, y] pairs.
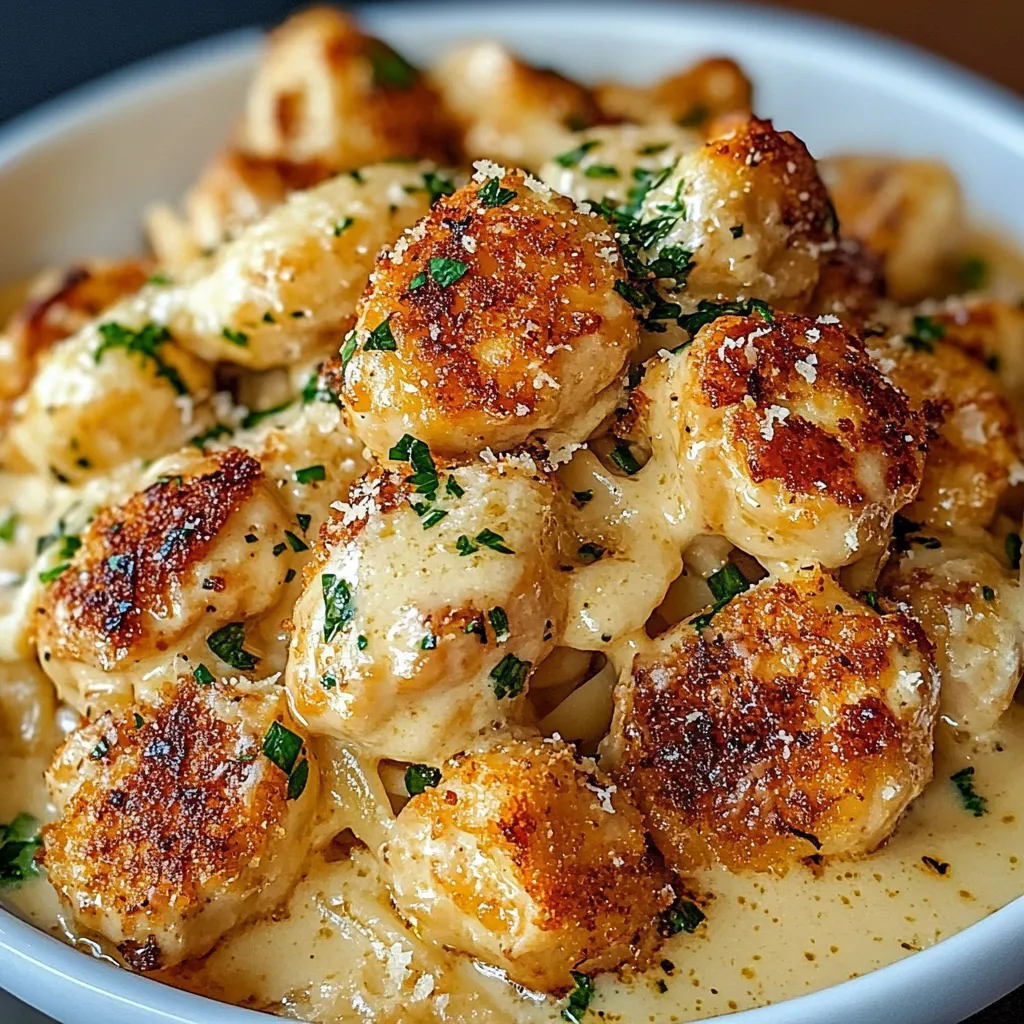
{"points": [[910, 212], [493, 320], [750, 210], [693, 98], [418, 660], [974, 451], [799, 447], [154, 576], [528, 858], [796, 721], [507, 109], [175, 823], [971, 608]]}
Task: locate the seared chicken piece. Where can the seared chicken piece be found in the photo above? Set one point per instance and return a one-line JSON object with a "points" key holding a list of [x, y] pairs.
{"points": [[528, 858], [162, 574], [120, 389], [286, 289], [508, 110], [693, 98], [180, 819], [908, 211], [59, 304], [746, 214], [975, 453], [793, 721], [493, 320], [972, 610], [326, 98], [851, 286], [433, 599], [799, 448]]}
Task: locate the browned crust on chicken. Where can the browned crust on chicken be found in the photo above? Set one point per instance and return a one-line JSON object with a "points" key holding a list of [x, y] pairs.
{"points": [[133, 554], [878, 416], [753, 740]]}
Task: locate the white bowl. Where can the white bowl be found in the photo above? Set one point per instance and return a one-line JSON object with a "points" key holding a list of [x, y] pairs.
{"points": [[75, 175]]}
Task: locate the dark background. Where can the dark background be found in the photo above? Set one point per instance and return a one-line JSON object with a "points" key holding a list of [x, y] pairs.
{"points": [[48, 46]]}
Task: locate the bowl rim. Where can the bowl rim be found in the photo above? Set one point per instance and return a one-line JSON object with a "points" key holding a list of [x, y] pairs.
{"points": [[926, 79]]}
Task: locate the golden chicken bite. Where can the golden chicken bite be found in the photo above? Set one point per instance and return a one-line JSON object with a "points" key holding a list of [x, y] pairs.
{"points": [[493, 320], [751, 213], [693, 98], [799, 448], [120, 389], [180, 819], [528, 858], [971, 609], [508, 110], [59, 304], [433, 599], [974, 451], [158, 576], [286, 289], [793, 721], [908, 211]]}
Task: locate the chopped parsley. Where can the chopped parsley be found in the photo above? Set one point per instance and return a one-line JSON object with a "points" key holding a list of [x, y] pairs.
{"points": [[144, 343], [465, 546], [259, 415], [420, 777], [589, 553], [446, 271], [310, 475], [313, 392], [582, 497], [159, 278], [573, 157], [19, 840], [202, 675], [494, 541], [988, 593], [601, 171], [239, 338], [433, 517], [303, 519], [972, 273], [623, 457], [295, 542], [925, 333], [683, 916], [297, 780], [390, 69], [452, 487], [653, 149], [437, 185], [343, 225], [347, 351], [328, 682], [9, 527], [736, 230], [492, 194], [940, 867], [282, 747], [49, 575], [1013, 546], [428, 643], [381, 339], [227, 643], [339, 609], [418, 281], [708, 311], [499, 623], [279, 549], [724, 584], [289, 576], [972, 801], [100, 750], [871, 600], [211, 434], [138, 720], [361, 642], [509, 676], [579, 998]]}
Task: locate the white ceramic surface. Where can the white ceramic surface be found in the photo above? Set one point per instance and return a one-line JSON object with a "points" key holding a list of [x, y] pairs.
{"points": [[74, 175]]}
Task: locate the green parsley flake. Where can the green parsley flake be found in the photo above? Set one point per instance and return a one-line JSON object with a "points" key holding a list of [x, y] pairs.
{"points": [[343, 225], [1013, 546], [202, 675], [282, 747], [492, 194], [972, 274], [499, 623], [303, 520], [452, 487], [144, 343], [418, 281], [736, 231], [311, 474], [622, 457], [9, 527], [49, 575], [465, 546], [257, 416], [653, 149], [573, 157], [338, 604], [239, 338], [421, 777], [279, 549], [972, 801], [589, 553], [683, 916], [138, 720], [381, 339], [211, 434], [579, 998], [437, 185], [724, 584], [926, 332], [708, 311], [428, 643], [227, 643], [494, 541], [100, 750], [390, 69], [601, 171], [19, 841], [988, 593], [509, 676], [159, 278], [446, 271], [297, 781], [582, 497], [361, 642], [295, 542]]}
